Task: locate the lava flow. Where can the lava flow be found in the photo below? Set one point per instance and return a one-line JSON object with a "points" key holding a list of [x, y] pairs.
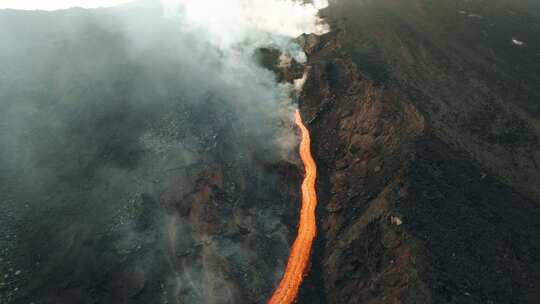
{"points": [[297, 264]]}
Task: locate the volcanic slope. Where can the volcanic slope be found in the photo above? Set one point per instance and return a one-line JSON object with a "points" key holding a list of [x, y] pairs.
{"points": [[425, 127]]}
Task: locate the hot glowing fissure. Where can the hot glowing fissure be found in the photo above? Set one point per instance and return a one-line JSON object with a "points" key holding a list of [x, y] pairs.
{"points": [[299, 257]]}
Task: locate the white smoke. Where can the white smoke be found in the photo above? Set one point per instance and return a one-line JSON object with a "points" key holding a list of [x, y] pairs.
{"points": [[232, 21], [238, 28], [299, 83]]}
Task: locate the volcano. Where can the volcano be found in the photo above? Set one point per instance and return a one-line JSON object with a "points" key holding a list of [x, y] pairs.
{"points": [[390, 154]]}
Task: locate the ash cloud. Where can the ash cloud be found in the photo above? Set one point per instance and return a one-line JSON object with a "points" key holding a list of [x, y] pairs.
{"points": [[115, 122]]}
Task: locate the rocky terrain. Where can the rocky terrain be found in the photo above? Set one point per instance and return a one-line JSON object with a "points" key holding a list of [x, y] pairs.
{"points": [[126, 179], [428, 150], [424, 119]]}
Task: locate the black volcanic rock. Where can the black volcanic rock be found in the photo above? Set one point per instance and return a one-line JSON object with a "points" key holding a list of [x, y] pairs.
{"points": [[427, 148]]}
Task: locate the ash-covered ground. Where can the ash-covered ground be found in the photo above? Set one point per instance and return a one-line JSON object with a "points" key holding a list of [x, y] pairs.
{"points": [[141, 161]]}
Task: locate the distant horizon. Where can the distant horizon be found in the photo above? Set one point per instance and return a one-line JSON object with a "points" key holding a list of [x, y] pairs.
{"points": [[53, 5]]}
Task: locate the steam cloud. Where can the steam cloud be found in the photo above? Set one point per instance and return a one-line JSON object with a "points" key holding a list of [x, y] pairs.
{"points": [[108, 114], [229, 22]]}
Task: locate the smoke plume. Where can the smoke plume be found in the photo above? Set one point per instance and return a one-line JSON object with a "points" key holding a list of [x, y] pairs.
{"points": [[136, 147]]}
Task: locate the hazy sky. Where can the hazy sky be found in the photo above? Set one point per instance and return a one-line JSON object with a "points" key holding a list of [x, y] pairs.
{"points": [[56, 4]]}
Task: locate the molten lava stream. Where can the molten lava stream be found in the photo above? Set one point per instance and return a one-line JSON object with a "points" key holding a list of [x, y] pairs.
{"points": [[298, 262]]}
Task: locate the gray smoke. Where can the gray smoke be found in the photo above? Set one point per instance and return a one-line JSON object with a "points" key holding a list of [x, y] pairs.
{"points": [[110, 119]]}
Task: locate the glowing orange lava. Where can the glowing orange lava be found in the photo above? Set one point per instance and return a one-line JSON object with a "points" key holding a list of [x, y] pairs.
{"points": [[298, 262]]}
